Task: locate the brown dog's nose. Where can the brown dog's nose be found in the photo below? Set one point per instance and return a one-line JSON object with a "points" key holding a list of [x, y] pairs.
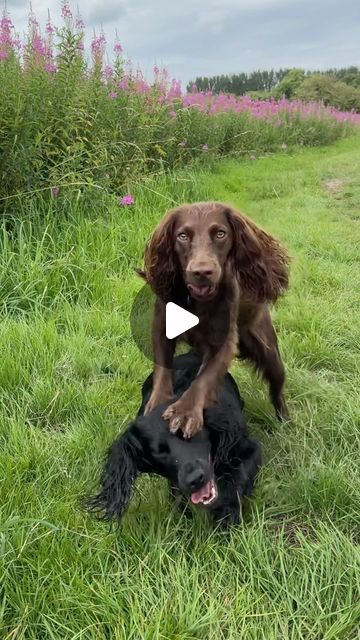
{"points": [[203, 272]]}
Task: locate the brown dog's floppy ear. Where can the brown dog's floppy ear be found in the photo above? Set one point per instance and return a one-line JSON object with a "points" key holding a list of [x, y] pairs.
{"points": [[160, 258], [260, 262]]}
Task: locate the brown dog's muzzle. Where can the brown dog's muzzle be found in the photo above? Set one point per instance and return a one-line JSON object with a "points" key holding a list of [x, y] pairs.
{"points": [[202, 277]]}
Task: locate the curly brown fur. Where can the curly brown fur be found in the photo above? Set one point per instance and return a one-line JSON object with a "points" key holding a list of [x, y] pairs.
{"points": [[260, 262]]}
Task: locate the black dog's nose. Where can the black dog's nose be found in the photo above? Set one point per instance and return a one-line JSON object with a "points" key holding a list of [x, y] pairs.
{"points": [[195, 477]]}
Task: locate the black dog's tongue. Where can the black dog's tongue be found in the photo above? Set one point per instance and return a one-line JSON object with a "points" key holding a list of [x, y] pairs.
{"points": [[201, 494]]}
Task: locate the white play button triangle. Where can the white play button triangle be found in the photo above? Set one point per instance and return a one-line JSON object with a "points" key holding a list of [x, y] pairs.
{"points": [[178, 320]]}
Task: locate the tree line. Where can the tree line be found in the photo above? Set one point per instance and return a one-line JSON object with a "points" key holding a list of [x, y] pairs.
{"points": [[267, 81]]}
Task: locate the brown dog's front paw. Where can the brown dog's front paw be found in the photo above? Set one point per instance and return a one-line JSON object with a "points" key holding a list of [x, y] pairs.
{"points": [[156, 399], [182, 417]]}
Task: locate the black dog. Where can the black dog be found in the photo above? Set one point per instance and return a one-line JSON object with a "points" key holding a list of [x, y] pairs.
{"points": [[215, 468]]}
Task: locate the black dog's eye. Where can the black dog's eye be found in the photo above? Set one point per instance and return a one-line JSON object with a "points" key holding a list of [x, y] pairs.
{"points": [[183, 237]]}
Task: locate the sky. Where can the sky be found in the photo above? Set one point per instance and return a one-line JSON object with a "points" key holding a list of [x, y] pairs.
{"points": [[209, 37]]}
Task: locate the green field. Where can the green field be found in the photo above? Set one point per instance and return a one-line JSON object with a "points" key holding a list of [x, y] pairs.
{"points": [[70, 378]]}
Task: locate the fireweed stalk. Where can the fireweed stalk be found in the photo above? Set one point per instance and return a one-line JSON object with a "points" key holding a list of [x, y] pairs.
{"points": [[71, 118]]}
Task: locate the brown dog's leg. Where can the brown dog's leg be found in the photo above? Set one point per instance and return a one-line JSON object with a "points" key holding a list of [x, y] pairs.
{"points": [[187, 412], [259, 345], [163, 349]]}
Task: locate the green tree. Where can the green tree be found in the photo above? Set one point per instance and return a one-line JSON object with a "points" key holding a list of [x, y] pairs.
{"points": [[290, 82], [330, 91]]}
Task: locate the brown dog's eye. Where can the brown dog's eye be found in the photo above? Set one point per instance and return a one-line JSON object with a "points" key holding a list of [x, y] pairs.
{"points": [[220, 234], [183, 236]]}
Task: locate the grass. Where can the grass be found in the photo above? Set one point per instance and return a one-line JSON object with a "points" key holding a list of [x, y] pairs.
{"points": [[69, 380]]}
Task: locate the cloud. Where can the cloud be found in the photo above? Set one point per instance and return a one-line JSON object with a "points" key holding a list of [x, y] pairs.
{"points": [[210, 37], [104, 12]]}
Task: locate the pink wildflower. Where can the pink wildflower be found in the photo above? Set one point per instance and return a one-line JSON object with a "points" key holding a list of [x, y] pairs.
{"points": [[79, 23], [50, 67], [55, 191], [141, 86], [112, 95], [174, 91], [49, 28], [65, 10], [124, 83], [98, 48], [127, 200], [108, 72], [6, 40], [205, 147]]}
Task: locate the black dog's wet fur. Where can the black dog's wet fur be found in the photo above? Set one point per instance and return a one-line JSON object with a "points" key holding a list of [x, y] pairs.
{"points": [[146, 445]]}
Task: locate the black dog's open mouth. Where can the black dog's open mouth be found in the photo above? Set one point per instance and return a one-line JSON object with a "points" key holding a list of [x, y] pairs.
{"points": [[201, 293], [206, 495]]}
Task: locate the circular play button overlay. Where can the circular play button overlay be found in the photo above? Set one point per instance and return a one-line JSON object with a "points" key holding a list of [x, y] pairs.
{"points": [[178, 320], [210, 321], [141, 318]]}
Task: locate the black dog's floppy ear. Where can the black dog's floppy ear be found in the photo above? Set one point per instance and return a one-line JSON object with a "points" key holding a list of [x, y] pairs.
{"points": [[117, 481], [251, 462], [228, 432]]}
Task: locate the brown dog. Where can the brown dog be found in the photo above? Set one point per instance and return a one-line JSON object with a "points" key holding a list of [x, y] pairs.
{"points": [[226, 270]]}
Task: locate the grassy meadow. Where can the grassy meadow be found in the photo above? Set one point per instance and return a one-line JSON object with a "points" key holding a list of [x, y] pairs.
{"points": [[70, 376]]}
